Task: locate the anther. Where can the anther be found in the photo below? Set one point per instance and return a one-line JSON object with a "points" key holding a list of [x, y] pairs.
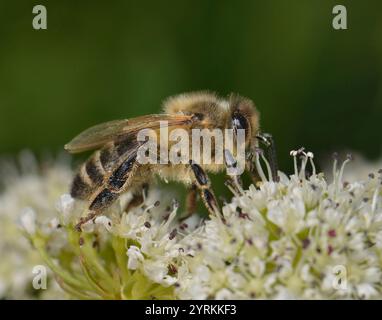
{"points": [[175, 204], [349, 156], [173, 234]]}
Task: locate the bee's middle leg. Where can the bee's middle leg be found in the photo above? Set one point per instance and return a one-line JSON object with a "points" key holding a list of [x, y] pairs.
{"points": [[203, 184]]}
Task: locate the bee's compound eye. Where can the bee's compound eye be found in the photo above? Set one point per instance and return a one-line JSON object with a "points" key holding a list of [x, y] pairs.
{"points": [[239, 121], [198, 116]]}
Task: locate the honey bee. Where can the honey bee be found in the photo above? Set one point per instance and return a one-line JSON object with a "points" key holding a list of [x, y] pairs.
{"points": [[114, 167]]}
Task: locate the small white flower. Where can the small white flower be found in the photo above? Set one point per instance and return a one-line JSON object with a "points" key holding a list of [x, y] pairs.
{"points": [[235, 280], [366, 291], [105, 221], [196, 291], [203, 273], [135, 257], [257, 266], [54, 223], [223, 294], [65, 206], [283, 293], [28, 220]]}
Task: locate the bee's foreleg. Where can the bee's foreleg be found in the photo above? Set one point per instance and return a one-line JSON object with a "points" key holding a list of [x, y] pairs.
{"points": [[268, 141], [203, 184]]}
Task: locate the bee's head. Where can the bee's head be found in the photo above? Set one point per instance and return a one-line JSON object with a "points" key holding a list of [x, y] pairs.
{"points": [[244, 115]]}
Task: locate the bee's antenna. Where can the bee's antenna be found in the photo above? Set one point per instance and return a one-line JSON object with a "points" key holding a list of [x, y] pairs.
{"points": [[268, 141]]}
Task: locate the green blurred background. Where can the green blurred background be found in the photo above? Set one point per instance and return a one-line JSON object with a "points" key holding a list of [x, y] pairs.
{"points": [[315, 86]]}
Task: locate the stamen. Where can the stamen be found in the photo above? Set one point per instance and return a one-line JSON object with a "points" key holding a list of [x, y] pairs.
{"points": [[145, 189], [310, 155], [165, 225], [375, 199], [348, 159], [258, 165], [239, 184], [300, 173], [270, 175], [304, 161], [335, 161], [148, 208], [175, 204], [293, 153]]}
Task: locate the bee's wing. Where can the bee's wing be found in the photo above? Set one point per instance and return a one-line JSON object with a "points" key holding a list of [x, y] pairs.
{"points": [[98, 135]]}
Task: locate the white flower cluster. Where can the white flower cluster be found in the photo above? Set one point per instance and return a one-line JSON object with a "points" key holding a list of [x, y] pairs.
{"points": [[299, 238], [296, 238], [154, 237], [29, 193]]}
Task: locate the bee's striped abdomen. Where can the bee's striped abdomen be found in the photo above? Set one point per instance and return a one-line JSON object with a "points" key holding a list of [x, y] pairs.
{"points": [[89, 178], [102, 177]]}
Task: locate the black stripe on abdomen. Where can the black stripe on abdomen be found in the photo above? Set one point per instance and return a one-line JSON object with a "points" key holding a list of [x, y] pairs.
{"points": [[93, 172], [79, 188]]}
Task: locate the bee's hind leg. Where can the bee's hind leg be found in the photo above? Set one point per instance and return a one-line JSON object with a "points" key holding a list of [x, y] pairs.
{"points": [[203, 184], [101, 201], [91, 215]]}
